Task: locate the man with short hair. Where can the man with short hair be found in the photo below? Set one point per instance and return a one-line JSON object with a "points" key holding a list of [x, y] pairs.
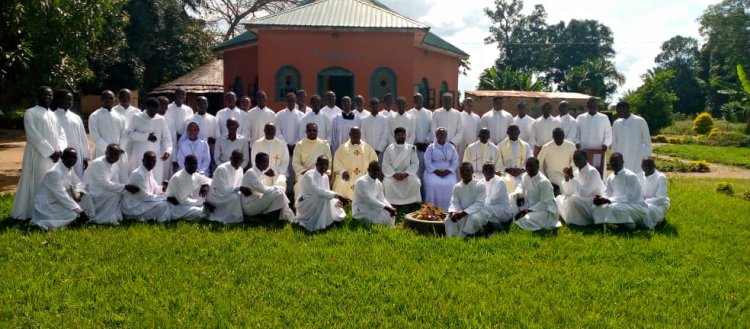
{"points": [[229, 142], [622, 202], [350, 163], [448, 118], [542, 127], [523, 122], [567, 123], [60, 198], [440, 165], [262, 197], [277, 152], [108, 127], [72, 125], [400, 118], [513, 152], [105, 187], [556, 156], [342, 123], [594, 134], [302, 101], [654, 190], [359, 107], [497, 204], [576, 202], [148, 131], [466, 214], [481, 152], [245, 105], [535, 200], [230, 111], [307, 152], [400, 165], [176, 117], [163, 105], [125, 109], [266, 175], [224, 193], [330, 110], [470, 122], [187, 192], [257, 118], [497, 120], [422, 133], [375, 129], [630, 136], [317, 206], [369, 203], [207, 122], [318, 118], [149, 202], [387, 106], [287, 128]]}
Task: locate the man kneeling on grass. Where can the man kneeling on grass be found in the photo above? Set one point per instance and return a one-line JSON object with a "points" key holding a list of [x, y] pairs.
{"points": [[225, 190], [318, 206], [536, 200], [149, 202], [497, 204], [654, 190], [622, 202], [187, 191], [369, 203], [262, 198], [466, 213]]}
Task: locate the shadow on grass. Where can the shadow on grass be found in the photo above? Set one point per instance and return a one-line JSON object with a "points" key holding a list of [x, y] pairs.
{"points": [[665, 228]]}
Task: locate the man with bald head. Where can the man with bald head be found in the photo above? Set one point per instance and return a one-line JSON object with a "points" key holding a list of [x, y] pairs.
{"points": [[149, 202], [307, 152], [105, 187], [277, 152], [317, 206], [350, 163], [260, 197]]}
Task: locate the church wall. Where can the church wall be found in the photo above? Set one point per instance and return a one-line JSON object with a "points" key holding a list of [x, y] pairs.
{"points": [[243, 63], [436, 67]]}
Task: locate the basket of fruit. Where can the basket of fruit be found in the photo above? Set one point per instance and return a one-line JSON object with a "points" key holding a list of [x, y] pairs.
{"points": [[428, 220]]}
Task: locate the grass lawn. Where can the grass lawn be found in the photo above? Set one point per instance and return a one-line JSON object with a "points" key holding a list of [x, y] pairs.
{"points": [[734, 156], [685, 127], [692, 272]]}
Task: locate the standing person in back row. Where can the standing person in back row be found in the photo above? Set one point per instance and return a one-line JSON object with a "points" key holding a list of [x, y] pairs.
{"points": [[594, 134], [330, 110], [630, 137], [107, 127], [497, 120], [470, 122], [448, 118], [568, 123], [230, 111], [256, 119], [73, 127], [176, 116], [523, 121], [422, 134]]}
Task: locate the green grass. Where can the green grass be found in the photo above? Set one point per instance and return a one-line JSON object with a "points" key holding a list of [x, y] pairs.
{"points": [[733, 156], [692, 272], [685, 127]]}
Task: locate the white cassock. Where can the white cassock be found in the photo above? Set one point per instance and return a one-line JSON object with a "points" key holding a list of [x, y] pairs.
{"points": [[278, 157], [401, 120], [316, 203], [375, 132], [208, 124], [139, 128], [497, 122], [176, 118], [570, 127], [540, 200], [225, 147], [451, 121], [287, 125], [255, 122], [75, 136], [54, 205], [320, 119], [265, 198], [541, 130], [401, 158], [593, 132], [623, 189], [186, 189], [275, 181], [576, 201], [340, 129], [109, 127], [361, 113], [225, 194], [354, 159], [305, 156], [654, 190], [330, 113], [497, 204], [369, 202], [126, 112], [468, 198], [229, 113], [44, 136], [631, 138], [554, 158], [524, 124], [479, 153], [422, 121], [102, 181], [150, 202], [513, 154], [438, 189], [470, 122]]}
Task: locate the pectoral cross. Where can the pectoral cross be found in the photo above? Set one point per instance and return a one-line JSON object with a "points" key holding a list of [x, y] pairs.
{"points": [[357, 152], [477, 159], [356, 171]]}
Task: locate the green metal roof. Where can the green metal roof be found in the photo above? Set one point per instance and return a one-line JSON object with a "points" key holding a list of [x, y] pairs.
{"points": [[245, 37], [431, 39]]}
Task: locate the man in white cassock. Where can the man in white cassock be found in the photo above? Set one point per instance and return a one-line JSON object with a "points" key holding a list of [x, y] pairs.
{"points": [[61, 199], [317, 206], [187, 192], [108, 127], [594, 134], [230, 142], [307, 152], [125, 109], [622, 202], [342, 123], [375, 129], [257, 118], [481, 152], [470, 122], [541, 129], [359, 107], [497, 120], [102, 181], [302, 102], [513, 152], [654, 190], [400, 166], [466, 213], [631, 138], [277, 152], [330, 111], [556, 156], [287, 129], [401, 118], [387, 106], [439, 176], [149, 202], [448, 118], [369, 203], [523, 121], [261, 197], [231, 111], [497, 205], [568, 123], [208, 123], [350, 163], [535, 200], [176, 117], [576, 201], [148, 131], [72, 125], [422, 133], [318, 118], [224, 193]]}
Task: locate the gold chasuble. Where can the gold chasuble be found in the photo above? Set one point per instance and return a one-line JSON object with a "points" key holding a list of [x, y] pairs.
{"points": [[354, 159]]}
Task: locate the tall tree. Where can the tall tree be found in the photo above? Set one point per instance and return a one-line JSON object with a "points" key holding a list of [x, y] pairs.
{"points": [[653, 100], [596, 77], [226, 16], [680, 55], [494, 79]]}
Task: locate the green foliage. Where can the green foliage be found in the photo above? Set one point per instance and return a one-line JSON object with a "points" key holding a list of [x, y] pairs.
{"points": [[703, 123], [746, 195], [698, 166], [596, 77], [725, 188], [660, 139], [498, 79], [681, 56], [685, 127], [653, 101], [734, 111], [728, 155], [677, 165]]}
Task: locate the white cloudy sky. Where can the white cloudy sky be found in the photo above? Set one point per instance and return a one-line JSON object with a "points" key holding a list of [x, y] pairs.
{"points": [[639, 27]]}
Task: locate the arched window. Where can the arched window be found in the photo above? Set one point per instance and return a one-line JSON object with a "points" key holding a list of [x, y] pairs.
{"points": [[237, 86], [288, 80], [444, 89], [382, 81]]}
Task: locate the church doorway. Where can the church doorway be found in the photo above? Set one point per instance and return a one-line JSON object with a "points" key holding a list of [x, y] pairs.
{"points": [[337, 79]]}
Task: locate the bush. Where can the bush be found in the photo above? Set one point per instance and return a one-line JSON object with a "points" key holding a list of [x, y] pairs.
{"points": [[746, 196], [703, 123], [674, 140], [698, 166], [677, 165], [734, 112], [660, 139], [725, 188]]}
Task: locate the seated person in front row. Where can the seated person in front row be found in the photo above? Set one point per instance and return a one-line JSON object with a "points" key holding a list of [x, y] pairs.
{"points": [[317, 206], [306, 152], [535, 200], [513, 152], [61, 199], [262, 198], [555, 156], [654, 189], [229, 142], [278, 155], [440, 162], [192, 142], [369, 203], [482, 152], [497, 204], [576, 202], [350, 163], [622, 202], [466, 214], [187, 191], [400, 166], [102, 179], [149, 202], [224, 193]]}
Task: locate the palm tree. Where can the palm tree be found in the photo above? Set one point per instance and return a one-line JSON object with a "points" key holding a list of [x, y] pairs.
{"points": [[494, 79], [596, 77]]}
